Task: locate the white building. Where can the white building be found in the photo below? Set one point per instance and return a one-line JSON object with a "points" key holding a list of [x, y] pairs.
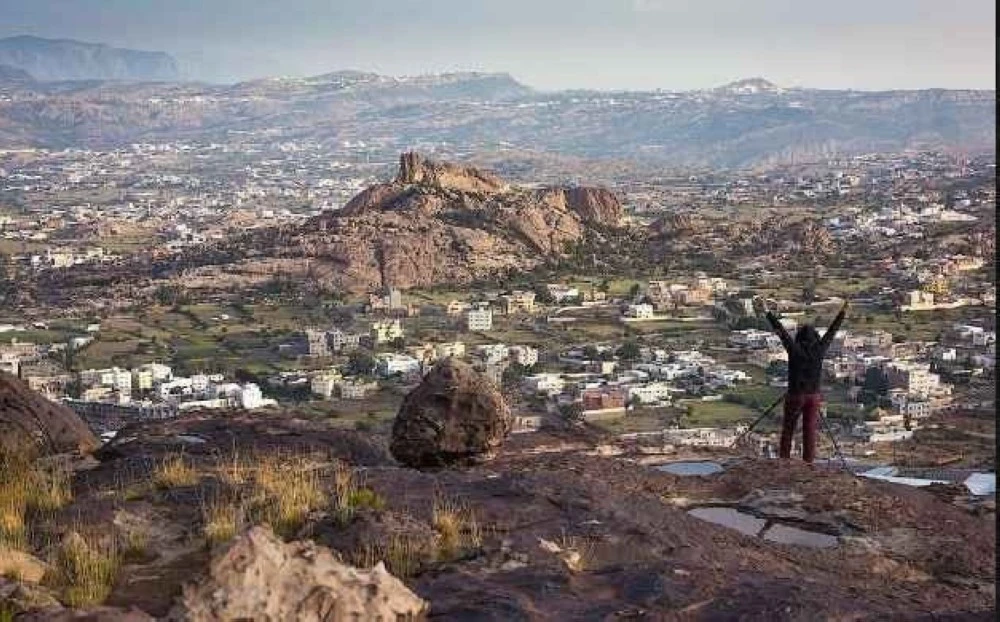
{"points": [[543, 383], [524, 355], [389, 364], [479, 319], [652, 393], [250, 397], [492, 352], [324, 384], [356, 390], [640, 311], [386, 332]]}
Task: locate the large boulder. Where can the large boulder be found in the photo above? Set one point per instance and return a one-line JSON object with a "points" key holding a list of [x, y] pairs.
{"points": [[259, 577], [456, 416], [30, 421]]}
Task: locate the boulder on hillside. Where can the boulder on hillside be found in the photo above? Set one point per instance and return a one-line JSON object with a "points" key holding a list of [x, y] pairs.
{"points": [[259, 577], [29, 420], [456, 416]]}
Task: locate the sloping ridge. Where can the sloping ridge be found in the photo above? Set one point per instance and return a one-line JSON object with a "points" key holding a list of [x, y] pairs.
{"points": [[28, 419]]}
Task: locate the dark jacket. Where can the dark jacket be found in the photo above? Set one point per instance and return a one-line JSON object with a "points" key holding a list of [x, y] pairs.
{"points": [[805, 367]]}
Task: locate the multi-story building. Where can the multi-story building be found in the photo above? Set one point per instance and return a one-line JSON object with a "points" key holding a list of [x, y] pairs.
{"points": [[603, 402], [386, 332], [492, 352], [914, 378], [641, 311], [480, 319], [518, 302], [317, 340], [457, 307], [524, 355], [548, 384], [390, 364], [356, 390], [341, 341], [325, 383]]}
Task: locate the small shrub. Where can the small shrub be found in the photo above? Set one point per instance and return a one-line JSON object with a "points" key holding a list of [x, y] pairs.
{"points": [[457, 528], [7, 613], [366, 498], [174, 471], [134, 544]]}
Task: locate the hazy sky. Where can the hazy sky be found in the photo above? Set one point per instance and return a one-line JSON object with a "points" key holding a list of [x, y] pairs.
{"points": [[550, 44]]}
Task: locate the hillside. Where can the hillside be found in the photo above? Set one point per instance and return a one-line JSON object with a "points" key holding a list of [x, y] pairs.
{"points": [[63, 59], [746, 123]]}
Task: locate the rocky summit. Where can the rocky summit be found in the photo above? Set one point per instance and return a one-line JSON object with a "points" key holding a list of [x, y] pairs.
{"points": [[435, 223], [455, 416]]}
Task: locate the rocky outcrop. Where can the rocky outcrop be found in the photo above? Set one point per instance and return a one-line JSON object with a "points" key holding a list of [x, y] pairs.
{"points": [[439, 222], [456, 416], [595, 205], [258, 577], [28, 420]]}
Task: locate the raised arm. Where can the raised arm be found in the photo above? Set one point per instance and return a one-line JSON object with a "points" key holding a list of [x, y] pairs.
{"points": [[834, 327], [786, 340]]}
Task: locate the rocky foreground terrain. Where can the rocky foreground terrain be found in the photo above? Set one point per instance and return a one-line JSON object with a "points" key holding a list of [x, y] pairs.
{"points": [[156, 525]]}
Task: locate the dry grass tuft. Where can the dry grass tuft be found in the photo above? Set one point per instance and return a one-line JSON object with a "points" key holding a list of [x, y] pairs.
{"points": [[28, 491], [401, 555], [85, 571], [457, 528], [174, 471], [222, 518], [290, 488]]}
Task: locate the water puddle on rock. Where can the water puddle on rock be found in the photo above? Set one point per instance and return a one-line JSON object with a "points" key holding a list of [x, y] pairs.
{"points": [[783, 534], [752, 526], [691, 468], [730, 517]]}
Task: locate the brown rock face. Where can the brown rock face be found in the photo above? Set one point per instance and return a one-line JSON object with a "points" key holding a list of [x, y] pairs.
{"points": [[595, 205], [456, 416], [258, 577], [28, 420], [415, 169]]}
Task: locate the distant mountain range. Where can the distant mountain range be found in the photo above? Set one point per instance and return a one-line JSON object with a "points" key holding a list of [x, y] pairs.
{"points": [[746, 123], [64, 59]]}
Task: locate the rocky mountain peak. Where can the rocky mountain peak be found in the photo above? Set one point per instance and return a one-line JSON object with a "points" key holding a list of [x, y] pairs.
{"points": [[415, 169]]}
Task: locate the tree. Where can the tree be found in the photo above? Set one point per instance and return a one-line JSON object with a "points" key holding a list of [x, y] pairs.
{"points": [[809, 292], [360, 363], [590, 352], [629, 351], [633, 291], [513, 374], [572, 412], [876, 382], [778, 369]]}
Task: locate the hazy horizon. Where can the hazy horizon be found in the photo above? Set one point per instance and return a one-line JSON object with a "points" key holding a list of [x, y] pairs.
{"points": [[560, 44]]}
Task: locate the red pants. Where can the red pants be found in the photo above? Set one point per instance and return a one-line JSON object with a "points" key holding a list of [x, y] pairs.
{"points": [[808, 405]]}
